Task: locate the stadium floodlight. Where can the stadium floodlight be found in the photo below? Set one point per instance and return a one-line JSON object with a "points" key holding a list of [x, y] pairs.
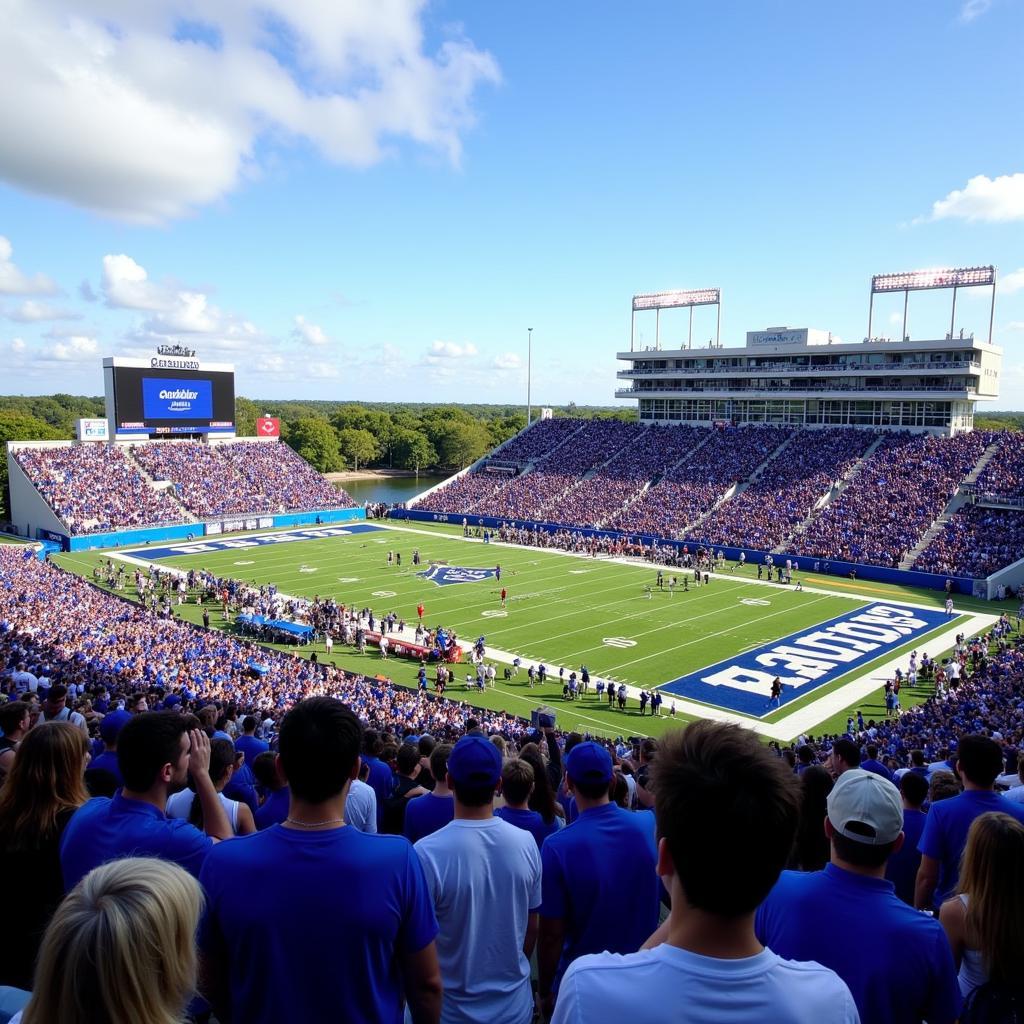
{"points": [[923, 280], [927, 280], [677, 299]]}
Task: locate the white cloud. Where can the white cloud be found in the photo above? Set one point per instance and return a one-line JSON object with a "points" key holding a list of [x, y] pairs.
{"points": [[114, 113], [18, 344], [507, 361], [895, 319], [311, 334], [14, 281], [321, 370], [1012, 282], [972, 9], [31, 311], [990, 200], [450, 350], [74, 348]]}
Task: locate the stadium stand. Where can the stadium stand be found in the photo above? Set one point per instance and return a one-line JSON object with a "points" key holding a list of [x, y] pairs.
{"points": [[95, 488], [976, 541]]}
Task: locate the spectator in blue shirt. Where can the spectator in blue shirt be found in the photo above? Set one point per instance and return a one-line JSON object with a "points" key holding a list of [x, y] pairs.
{"points": [[156, 752], [103, 776], [718, 792], [600, 887], [872, 764], [903, 864], [248, 743], [341, 926], [517, 783], [380, 778], [903, 972], [979, 761], [425, 814]]}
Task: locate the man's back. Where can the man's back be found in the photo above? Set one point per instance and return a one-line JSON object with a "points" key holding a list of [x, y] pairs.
{"points": [[946, 828], [485, 879], [322, 938], [600, 878], [251, 747], [895, 960], [105, 829], [531, 821], [426, 814], [752, 990], [902, 867]]}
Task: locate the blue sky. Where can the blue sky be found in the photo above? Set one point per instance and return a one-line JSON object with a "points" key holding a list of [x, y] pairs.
{"points": [[374, 199]]}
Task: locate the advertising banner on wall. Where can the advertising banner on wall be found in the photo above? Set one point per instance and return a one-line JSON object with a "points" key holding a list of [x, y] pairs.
{"points": [[268, 426], [92, 430]]}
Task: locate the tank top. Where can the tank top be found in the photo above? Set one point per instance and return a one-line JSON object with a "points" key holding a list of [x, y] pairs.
{"points": [[972, 967]]}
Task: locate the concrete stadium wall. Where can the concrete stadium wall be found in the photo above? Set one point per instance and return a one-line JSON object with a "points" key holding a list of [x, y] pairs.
{"points": [[29, 510], [877, 573]]}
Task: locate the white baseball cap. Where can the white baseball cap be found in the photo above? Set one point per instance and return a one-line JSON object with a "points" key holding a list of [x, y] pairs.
{"points": [[865, 808]]}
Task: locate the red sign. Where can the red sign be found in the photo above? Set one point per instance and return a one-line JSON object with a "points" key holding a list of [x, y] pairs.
{"points": [[268, 426]]}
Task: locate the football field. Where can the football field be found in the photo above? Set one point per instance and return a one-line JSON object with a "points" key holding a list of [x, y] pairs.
{"points": [[713, 650]]}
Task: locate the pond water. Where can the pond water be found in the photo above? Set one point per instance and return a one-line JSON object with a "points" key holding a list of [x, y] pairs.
{"points": [[389, 489]]}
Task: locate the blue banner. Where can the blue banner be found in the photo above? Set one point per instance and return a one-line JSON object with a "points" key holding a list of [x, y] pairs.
{"points": [[806, 660], [164, 398], [445, 575]]}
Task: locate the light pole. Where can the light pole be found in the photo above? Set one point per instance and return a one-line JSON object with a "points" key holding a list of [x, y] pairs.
{"points": [[529, 371]]}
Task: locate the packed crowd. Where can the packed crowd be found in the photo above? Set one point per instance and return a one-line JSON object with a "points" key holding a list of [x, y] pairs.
{"points": [[691, 489], [897, 494], [781, 497], [975, 541], [1003, 476], [251, 477], [93, 488], [514, 870]]}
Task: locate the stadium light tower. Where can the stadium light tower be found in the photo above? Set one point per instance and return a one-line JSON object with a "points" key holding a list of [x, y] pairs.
{"points": [[529, 369]]}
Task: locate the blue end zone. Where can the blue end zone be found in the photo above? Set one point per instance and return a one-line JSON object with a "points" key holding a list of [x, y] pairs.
{"points": [[806, 660], [254, 541]]}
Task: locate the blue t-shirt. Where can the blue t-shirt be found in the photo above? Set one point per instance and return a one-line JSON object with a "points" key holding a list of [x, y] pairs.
{"points": [[902, 867], [871, 765], [107, 762], [251, 747], [108, 828], [945, 832], [381, 779], [600, 878], [274, 809], [322, 938], [530, 821], [895, 960], [426, 814]]}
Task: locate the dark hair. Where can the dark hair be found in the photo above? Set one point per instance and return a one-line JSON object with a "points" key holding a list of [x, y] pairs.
{"points": [[811, 850], [57, 692], [222, 757], [264, 767], [146, 744], [592, 790], [848, 751], [473, 795], [979, 758], [742, 794], [863, 855], [248, 723], [408, 758], [872, 750], [914, 788], [439, 761], [516, 780], [11, 715], [542, 799], [806, 754], [426, 745], [372, 743], [319, 742]]}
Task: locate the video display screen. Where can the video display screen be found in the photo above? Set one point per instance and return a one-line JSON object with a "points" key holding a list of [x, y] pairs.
{"points": [[171, 401]]}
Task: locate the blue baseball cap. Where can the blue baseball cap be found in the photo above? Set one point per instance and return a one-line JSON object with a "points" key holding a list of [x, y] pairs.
{"points": [[475, 761], [589, 762], [112, 724]]}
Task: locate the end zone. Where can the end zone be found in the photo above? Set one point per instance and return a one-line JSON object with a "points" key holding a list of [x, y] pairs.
{"points": [[806, 660]]}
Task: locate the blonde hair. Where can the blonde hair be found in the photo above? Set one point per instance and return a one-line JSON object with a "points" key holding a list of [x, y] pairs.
{"points": [[45, 780], [120, 948], [992, 877]]}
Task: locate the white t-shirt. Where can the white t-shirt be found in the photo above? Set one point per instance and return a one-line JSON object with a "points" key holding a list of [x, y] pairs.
{"points": [[179, 805], [361, 807], [484, 878], [674, 985]]}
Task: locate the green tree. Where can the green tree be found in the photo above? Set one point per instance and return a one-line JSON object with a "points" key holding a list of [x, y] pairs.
{"points": [[412, 450], [458, 442], [316, 441], [17, 426], [357, 446], [246, 413]]}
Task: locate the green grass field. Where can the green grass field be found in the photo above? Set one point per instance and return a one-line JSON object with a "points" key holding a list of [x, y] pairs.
{"points": [[562, 610]]}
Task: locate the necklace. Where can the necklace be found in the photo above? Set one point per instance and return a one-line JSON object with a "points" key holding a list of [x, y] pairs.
{"points": [[315, 824]]}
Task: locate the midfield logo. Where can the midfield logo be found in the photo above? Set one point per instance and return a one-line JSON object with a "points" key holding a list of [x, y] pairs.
{"points": [[443, 575]]}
